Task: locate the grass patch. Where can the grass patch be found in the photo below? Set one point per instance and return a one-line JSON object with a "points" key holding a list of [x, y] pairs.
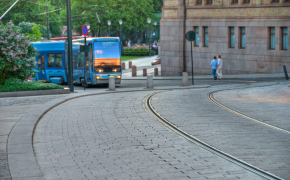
{"points": [[29, 86], [126, 58]]}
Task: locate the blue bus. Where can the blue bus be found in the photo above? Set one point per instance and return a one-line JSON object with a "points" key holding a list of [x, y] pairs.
{"points": [[102, 60]]}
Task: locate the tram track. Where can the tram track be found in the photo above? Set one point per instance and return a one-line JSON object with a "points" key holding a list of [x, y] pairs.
{"points": [[211, 97], [149, 107]]}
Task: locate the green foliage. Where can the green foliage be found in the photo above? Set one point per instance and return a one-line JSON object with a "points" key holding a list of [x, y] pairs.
{"points": [[36, 35], [26, 28], [127, 58], [28, 86], [17, 55], [133, 13], [137, 51], [33, 11], [36, 32]]}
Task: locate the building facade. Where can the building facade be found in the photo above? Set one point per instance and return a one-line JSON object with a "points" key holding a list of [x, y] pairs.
{"points": [[252, 36]]}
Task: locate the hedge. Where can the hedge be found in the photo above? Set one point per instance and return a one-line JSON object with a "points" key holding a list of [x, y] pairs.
{"points": [[29, 86]]}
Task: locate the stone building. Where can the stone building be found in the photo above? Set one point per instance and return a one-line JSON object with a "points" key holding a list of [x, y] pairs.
{"points": [[252, 36]]}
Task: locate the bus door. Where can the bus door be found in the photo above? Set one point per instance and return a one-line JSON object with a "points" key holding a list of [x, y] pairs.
{"points": [[41, 67]]}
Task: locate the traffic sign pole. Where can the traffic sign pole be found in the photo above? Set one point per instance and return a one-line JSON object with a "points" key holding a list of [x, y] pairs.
{"points": [[192, 65], [190, 36], [69, 40]]}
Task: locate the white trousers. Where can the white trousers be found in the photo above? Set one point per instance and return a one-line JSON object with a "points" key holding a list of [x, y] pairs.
{"points": [[220, 72]]}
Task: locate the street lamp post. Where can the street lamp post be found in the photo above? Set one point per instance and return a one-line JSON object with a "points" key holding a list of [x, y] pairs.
{"points": [[120, 22], [69, 42], [155, 24], [109, 24], [149, 21]]}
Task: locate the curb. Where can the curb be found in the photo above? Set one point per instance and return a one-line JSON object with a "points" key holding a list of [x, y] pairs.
{"points": [[21, 158], [34, 93]]}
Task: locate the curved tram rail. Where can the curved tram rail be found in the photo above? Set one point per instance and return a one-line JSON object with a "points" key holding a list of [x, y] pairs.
{"points": [[211, 97], [239, 162]]}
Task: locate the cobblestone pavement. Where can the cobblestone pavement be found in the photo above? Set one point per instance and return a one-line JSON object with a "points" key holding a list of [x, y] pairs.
{"points": [[270, 105], [113, 137], [252, 142], [11, 110]]}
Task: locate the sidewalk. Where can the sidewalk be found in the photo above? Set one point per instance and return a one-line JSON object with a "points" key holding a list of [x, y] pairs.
{"points": [[146, 63]]}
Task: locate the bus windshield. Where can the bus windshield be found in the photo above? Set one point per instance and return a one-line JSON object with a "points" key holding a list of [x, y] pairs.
{"points": [[107, 54]]}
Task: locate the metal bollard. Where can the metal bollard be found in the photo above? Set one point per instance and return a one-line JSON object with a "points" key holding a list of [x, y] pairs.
{"points": [[111, 83], [155, 71], [185, 79], [123, 65], [134, 71], [144, 72], [150, 81], [130, 64]]}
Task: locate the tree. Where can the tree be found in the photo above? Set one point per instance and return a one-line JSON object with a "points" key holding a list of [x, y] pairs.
{"points": [[133, 13], [33, 11], [26, 28], [36, 36], [17, 55]]}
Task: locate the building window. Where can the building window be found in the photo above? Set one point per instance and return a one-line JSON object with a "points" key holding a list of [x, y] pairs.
{"points": [[275, 1], [232, 37], [205, 36], [287, 1], [209, 2], [246, 1], [235, 1], [242, 37], [272, 38], [198, 2], [284, 38], [196, 44]]}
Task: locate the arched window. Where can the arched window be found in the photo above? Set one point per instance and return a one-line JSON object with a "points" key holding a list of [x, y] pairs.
{"points": [[198, 2], [235, 1], [246, 1], [209, 2]]}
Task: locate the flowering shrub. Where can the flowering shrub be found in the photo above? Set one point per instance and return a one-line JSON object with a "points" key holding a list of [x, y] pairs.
{"points": [[17, 55]]}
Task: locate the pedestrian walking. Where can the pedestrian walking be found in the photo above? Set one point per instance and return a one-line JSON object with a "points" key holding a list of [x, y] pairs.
{"points": [[220, 67], [213, 67]]}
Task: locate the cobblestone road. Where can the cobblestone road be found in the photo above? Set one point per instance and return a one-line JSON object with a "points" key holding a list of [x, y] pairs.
{"points": [[11, 110], [270, 105], [257, 144], [113, 137]]}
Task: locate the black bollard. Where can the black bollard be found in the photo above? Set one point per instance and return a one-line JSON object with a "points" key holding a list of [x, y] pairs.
{"points": [[285, 71]]}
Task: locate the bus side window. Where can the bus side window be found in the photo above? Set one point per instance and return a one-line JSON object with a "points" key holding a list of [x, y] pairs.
{"points": [[75, 62], [58, 60], [80, 59], [50, 58]]}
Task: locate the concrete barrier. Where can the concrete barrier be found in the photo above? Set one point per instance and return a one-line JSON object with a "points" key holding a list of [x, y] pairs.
{"points": [[130, 64], [155, 71], [185, 79], [111, 83], [123, 65], [150, 81], [134, 71], [144, 72]]}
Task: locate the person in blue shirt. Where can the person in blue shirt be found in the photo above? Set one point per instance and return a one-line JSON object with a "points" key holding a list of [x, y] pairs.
{"points": [[213, 67]]}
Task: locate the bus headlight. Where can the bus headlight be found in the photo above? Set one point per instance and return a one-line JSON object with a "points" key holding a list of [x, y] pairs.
{"points": [[116, 69], [99, 70], [119, 77], [98, 77]]}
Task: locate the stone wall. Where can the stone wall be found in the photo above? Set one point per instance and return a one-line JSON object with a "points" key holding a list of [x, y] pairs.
{"points": [[255, 58]]}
